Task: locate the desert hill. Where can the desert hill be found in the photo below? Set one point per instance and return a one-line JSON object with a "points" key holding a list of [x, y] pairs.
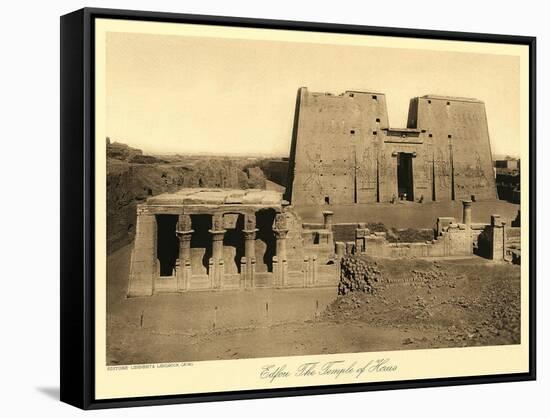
{"points": [[132, 177]]}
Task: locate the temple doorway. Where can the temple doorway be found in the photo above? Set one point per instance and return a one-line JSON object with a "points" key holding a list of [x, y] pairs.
{"points": [[405, 176]]}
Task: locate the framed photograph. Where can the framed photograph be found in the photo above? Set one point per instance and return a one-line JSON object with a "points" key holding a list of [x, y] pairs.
{"points": [[259, 208]]}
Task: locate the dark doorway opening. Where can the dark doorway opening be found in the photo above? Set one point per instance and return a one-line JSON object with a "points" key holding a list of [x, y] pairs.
{"points": [[233, 239], [265, 250], [405, 176], [201, 243], [167, 243]]}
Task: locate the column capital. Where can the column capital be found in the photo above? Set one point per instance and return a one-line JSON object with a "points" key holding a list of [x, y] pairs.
{"points": [[280, 233], [250, 221], [184, 222], [217, 235], [280, 222], [217, 229], [185, 235], [250, 234]]}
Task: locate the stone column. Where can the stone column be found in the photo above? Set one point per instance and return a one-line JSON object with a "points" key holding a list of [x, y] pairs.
{"points": [[467, 212], [280, 235], [467, 221], [280, 229], [360, 239], [365, 232], [249, 243], [184, 233], [340, 249], [249, 234], [327, 215], [218, 233], [497, 238]]}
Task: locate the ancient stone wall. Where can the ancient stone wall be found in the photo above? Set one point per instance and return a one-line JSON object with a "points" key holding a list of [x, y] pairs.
{"points": [[451, 239], [142, 265], [458, 136], [335, 141], [344, 152]]}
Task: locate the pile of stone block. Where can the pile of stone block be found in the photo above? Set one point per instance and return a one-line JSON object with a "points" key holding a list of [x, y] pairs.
{"points": [[357, 274]]}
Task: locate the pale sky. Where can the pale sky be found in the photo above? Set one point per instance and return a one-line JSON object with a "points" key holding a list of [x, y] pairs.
{"points": [[180, 94]]}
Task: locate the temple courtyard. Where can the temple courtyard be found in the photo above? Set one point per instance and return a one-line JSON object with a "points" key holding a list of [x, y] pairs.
{"points": [[448, 302], [405, 214]]}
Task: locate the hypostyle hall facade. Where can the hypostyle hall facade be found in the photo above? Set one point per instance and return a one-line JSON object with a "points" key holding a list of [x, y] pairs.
{"points": [[219, 239], [344, 151]]}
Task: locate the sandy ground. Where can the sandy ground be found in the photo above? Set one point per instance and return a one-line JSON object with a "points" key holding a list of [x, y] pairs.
{"points": [[416, 304]]}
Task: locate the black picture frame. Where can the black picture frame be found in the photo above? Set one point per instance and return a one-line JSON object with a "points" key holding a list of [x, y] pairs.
{"points": [[77, 205]]}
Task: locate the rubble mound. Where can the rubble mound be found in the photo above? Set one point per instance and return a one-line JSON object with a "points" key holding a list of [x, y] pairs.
{"points": [[358, 274], [447, 303]]}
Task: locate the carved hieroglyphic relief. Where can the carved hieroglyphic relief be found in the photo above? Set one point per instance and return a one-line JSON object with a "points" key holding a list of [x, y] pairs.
{"points": [[312, 184], [383, 168], [479, 172], [442, 170], [427, 175], [473, 173], [280, 222], [366, 170], [184, 223], [217, 222]]}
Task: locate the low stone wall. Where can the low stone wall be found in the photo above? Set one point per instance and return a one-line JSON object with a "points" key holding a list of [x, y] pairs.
{"points": [[204, 311], [494, 241], [345, 232], [452, 239], [513, 234], [311, 272], [341, 231]]}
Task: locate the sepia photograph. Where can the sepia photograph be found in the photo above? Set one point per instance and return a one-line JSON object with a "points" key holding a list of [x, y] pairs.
{"points": [[271, 198]]}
